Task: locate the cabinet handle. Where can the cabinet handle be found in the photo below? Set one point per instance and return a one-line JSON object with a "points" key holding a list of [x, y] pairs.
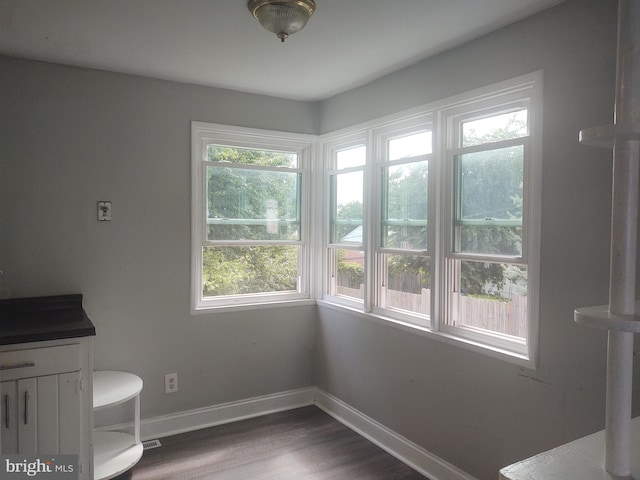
{"points": [[19, 365], [26, 407], [6, 411]]}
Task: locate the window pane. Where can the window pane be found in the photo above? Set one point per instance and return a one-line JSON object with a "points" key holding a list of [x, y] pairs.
{"points": [[410, 146], [247, 156], [348, 277], [490, 296], [405, 283], [493, 129], [346, 208], [404, 206], [249, 270], [489, 201], [351, 157], [252, 204]]}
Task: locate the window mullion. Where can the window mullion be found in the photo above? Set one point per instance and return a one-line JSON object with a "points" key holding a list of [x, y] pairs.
{"points": [[371, 233], [439, 211]]}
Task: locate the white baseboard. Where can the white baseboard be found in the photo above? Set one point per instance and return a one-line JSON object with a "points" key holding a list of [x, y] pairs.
{"points": [[403, 449], [172, 424]]}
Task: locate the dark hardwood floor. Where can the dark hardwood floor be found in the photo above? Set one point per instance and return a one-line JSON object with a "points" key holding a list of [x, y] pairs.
{"points": [[300, 444]]}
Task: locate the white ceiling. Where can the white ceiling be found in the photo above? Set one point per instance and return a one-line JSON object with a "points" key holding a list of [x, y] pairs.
{"points": [[218, 43]]}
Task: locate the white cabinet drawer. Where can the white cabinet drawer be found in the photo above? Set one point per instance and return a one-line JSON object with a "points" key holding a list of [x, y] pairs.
{"points": [[35, 362]]}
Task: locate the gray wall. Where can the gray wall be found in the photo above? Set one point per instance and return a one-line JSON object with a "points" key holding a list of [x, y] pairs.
{"points": [[70, 137], [476, 412]]}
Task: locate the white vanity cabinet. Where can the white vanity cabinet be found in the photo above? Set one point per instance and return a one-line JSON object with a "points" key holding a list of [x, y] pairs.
{"points": [[45, 398], [46, 383]]}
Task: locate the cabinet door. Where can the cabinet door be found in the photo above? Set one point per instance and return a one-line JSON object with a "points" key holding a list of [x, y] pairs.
{"points": [[27, 416], [40, 415], [58, 404], [47, 406], [68, 413], [9, 427]]}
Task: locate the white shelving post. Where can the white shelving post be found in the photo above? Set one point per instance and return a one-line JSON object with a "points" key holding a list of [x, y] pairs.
{"points": [[619, 317]]}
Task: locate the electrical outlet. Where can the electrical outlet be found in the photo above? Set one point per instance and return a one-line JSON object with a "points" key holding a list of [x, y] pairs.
{"points": [[171, 383]]}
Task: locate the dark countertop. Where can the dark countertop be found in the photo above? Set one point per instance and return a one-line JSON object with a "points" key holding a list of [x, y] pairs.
{"points": [[38, 319]]}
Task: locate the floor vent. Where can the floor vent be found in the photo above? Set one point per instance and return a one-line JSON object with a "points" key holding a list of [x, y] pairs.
{"points": [[149, 444]]}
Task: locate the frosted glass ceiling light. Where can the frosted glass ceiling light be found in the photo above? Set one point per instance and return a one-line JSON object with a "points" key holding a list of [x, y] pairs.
{"points": [[282, 17]]}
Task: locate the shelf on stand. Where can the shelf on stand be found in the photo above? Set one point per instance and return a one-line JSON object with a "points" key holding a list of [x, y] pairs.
{"points": [[116, 452]]}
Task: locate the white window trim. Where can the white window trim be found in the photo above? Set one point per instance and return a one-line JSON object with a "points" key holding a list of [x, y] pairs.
{"points": [[497, 346], [202, 133]]}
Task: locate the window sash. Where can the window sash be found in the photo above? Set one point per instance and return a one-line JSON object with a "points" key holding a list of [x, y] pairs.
{"points": [[241, 270], [292, 157], [241, 210], [341, 228], [404, 294], [409, 212], [478, 119], [346, 286], [452, 204]]}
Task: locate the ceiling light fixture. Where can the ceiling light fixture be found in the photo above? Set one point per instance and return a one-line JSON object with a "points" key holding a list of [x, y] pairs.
{"points": [[282, 17]]}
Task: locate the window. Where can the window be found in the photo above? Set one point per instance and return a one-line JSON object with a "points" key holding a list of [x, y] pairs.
{"points": [[488, 166], [402, 254], [433, 219], [345, 259], [249, 226], [428, 220]]}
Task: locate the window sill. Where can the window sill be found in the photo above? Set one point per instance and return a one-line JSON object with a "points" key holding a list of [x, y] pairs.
{"points": [[205, 310], [445, 337]]}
